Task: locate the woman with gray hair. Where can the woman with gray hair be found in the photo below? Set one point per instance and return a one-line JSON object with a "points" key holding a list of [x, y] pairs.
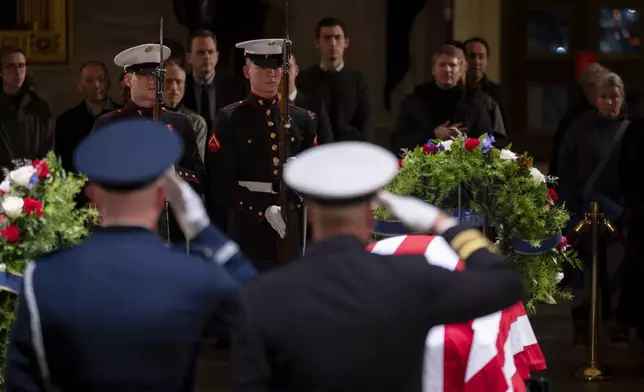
{"points": [[586, 102], [588, 165]]}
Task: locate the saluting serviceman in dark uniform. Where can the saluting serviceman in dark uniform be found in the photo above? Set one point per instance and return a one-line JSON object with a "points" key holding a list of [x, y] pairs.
{"points": [[139, 63], [242, 157], [123, 312], [344, 319]]}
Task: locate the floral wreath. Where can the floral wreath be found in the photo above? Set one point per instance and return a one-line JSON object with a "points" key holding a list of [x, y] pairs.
{"points": [[38, 215], [499, 190]]}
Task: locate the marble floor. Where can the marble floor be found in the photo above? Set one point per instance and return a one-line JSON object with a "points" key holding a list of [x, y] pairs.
{"points": [[552, 326]]}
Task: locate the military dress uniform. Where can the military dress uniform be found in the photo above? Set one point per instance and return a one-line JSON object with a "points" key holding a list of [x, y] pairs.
{"points": [[344, 319], [143, 60], [244, 168], [122, 311]]}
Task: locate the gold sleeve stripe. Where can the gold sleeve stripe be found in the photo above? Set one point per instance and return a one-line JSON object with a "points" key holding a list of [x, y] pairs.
{"points": [[471, 247], [464, 237]]}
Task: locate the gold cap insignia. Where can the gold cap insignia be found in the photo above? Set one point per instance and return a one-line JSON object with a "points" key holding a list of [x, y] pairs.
{"points": [[271, 43], [148, 49]]}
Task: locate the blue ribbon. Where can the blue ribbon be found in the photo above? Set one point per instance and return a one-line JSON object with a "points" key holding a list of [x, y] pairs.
{"points": [[10, 282], [394, 228], [526, 248]]}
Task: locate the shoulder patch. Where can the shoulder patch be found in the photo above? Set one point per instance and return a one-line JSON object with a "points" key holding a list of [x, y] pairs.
{"points": [[213, 142]]}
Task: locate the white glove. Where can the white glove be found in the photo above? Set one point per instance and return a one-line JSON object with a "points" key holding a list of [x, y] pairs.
{"points": [[415, 213], [186, 205], [274, 216]]}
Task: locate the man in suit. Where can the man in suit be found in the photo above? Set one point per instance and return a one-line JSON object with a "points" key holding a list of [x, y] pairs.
{"points": [[343, 319], [311, 103], [207, 91], [134, 317]]}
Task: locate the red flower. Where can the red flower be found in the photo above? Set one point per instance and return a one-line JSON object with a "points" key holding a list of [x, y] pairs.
{"points": [[552, 195], [33, 206], [471, 143], [11, 233], [42, 168], [430, 148], [563, 245], [401, 163], [525, 162]]}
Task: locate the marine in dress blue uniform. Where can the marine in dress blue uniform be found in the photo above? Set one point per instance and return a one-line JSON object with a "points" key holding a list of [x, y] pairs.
{"points": [[123, 311], [243, 158], [140, 62]]}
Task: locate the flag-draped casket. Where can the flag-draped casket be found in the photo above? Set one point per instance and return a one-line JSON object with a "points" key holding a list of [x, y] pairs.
{"points": [[494, 353]]}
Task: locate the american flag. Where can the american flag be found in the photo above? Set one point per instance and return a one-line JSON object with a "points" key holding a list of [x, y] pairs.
{"points": [[472, 356]]}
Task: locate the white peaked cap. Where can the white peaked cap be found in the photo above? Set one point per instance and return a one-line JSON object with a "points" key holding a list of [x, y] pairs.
{"points": [[145, 54], [342, 172]]}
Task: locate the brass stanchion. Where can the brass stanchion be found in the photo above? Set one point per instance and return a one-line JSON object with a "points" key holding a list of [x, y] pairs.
{"points": [[593, 370]]}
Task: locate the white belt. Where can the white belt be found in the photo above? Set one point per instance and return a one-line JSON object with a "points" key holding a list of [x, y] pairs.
{"points": [[262, 187]]}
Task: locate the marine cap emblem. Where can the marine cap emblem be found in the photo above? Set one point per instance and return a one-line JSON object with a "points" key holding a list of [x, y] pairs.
{"points": [[148, 49], [271, 43]]}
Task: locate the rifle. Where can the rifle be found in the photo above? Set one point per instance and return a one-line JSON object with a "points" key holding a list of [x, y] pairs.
{"points": [[159, 77], [285, 124]]}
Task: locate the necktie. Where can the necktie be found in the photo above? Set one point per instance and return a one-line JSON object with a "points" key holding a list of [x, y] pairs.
{"points": [[205, 104]]}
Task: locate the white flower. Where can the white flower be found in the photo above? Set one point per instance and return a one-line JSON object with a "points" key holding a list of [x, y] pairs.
{"points": [[22, 175], [507, 156], [447, 145], [5, 186], [560, 276], [3, 267], [12, 206], [537, 176]]}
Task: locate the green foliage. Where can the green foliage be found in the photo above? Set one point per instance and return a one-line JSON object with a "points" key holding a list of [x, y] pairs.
{"points": [[505, 189], [60, 225]]}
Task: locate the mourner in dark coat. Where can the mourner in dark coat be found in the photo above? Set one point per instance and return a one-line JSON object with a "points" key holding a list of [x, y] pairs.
{"points": [[313, 104], [440, 108], [593, 141], [121, 311], [139, 63], [26, 123], [344, 91], [243, 159], [74, 124], [344, 319]]}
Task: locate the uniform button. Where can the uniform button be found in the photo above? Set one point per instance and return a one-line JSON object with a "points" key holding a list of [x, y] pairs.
{"points": [[260, 214], [275, 172], [250, 208], [292, 139], [268, 112], [276, 161], [250, 141], [274, 147], [273, 135], [208, 252], [299, 206], [241, 203], [270, 123]]}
